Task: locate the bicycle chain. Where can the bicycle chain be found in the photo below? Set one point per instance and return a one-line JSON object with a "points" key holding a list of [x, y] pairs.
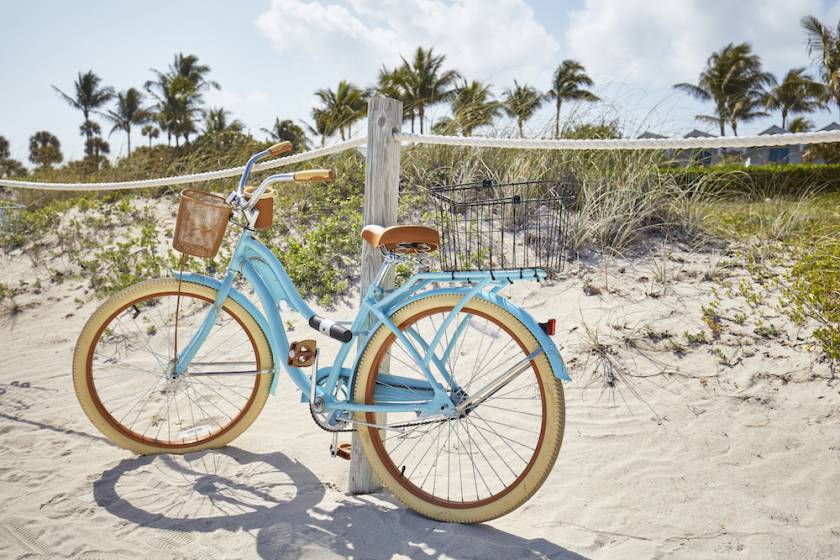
{"points": [[332, 430]]}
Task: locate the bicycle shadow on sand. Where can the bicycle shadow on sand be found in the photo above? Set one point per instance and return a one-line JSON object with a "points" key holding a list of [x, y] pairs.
{"points": [[279, 500]]}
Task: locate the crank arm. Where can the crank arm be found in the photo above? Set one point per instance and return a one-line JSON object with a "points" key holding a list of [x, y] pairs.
{"points": [[500, 382]]}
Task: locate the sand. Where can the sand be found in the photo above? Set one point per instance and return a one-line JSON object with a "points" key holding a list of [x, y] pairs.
{"points": [[724, 450]]}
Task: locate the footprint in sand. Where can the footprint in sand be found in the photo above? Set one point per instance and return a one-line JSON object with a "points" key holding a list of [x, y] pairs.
{"points": [[16, 534], [107, 555], [167, 541]]}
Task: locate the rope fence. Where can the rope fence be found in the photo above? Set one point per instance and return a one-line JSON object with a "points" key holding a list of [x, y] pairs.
{"points": [[788, 139], [192, 178]]}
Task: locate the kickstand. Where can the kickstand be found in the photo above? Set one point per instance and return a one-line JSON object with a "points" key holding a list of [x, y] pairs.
{"points": [[334, 445]]}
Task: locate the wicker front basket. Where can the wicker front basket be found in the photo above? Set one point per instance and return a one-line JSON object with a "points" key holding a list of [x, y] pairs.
{"points": [[201, 223]]}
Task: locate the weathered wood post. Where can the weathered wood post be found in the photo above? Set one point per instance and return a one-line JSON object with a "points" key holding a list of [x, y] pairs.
{"points": [[382, 181]]}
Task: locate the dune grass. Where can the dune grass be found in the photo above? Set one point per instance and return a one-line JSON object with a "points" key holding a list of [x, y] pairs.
{"points": [[621, 201]]}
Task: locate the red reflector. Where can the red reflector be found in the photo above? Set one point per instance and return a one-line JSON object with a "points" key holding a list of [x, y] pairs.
{"points": [[548, 326]]}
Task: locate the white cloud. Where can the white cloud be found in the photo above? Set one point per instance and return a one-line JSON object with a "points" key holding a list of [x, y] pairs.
{"points": [[661, 43], [491, 40], [635, 50]]}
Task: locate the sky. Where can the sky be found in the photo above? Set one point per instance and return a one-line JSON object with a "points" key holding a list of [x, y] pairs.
{"points": [[271, 55]]}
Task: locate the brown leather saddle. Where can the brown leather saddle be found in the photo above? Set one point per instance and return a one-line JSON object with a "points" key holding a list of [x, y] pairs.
{"points": [[408, 240]]}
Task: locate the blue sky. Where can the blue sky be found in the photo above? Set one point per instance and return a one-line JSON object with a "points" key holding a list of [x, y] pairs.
{"points": [[271, 55]]}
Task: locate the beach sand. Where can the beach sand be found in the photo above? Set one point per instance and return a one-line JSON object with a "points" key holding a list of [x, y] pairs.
{"points": [[693, 453]]}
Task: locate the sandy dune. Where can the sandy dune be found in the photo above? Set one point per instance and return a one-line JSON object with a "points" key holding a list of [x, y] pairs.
{"points": [[691, 453]]}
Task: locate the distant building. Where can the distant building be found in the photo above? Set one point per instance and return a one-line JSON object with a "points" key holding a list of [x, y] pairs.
{"points": [[759, 155], [699, 156], [774, 155]]}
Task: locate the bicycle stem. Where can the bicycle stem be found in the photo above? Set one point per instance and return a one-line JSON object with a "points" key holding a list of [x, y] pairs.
{"points": [[273, 151]]}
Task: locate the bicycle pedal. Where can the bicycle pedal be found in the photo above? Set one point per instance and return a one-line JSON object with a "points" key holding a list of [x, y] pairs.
{"points": [[343, 450], [302, 353]]}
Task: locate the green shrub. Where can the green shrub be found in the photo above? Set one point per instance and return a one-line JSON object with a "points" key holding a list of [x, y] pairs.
{"points": [[128, 262], [324, 261], [815, 292]]}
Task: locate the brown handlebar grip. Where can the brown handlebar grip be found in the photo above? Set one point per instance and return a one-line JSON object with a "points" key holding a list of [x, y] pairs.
{"points": [[314, 175], [280, 148]]}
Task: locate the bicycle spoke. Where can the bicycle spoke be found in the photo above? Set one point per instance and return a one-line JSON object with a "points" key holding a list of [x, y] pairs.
{"points": [[136, 347], [492, 448], [505, 441], [485, 405]]}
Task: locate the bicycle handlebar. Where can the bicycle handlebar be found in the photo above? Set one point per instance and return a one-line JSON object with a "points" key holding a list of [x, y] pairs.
{"points": [[314, 175], [236, 198], [308, 176], [280, 148]]}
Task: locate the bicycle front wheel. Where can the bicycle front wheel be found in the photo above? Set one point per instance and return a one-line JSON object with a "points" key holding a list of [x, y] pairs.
{"points": [[124, 356], [480, 465]]}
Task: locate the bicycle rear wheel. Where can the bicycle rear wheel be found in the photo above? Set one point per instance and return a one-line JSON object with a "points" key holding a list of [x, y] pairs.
{"points": [[485, 463], [124, 354]]}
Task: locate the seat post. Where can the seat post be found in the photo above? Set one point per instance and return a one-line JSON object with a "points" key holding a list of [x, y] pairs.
{"points": [[390, 260]]}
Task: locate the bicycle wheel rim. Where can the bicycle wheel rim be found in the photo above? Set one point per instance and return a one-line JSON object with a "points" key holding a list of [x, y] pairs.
{"points": [[385, 457], [141, 438]]}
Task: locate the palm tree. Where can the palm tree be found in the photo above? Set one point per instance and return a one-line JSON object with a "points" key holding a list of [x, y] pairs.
{"points": [[95, 148], [128, 111], [187, 67], [569, 83], [216, 120], [92, 131], [426, 82], [287, 130], [44, 149], [745, 108], [521, 103], [178, 92], [824, 47], [734, 81], [473, 106], [88, 96], [324, 126], [800, 124], [396, 84], [9, 167], [177, 105], [343, 107], [797, 93], [151, 131]]}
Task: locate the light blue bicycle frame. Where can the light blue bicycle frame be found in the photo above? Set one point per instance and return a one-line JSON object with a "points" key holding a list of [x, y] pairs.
{"points": [[272, 286]]}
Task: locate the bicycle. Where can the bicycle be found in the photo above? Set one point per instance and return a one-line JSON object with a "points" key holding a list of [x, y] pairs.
{"points": [[455, 392]]}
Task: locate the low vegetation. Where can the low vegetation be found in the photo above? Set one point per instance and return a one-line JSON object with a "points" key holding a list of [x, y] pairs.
{"points": [[623, 204], [814, 291]]}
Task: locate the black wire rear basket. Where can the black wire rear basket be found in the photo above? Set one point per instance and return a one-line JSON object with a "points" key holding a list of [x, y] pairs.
{"points": [[491, 226]]}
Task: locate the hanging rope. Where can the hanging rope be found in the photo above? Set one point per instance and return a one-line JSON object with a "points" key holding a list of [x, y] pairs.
{"points": [[186, 179], [626, 144]]}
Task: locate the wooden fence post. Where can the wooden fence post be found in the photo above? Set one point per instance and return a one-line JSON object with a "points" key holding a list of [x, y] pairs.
{"points": [[382, 181]]}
